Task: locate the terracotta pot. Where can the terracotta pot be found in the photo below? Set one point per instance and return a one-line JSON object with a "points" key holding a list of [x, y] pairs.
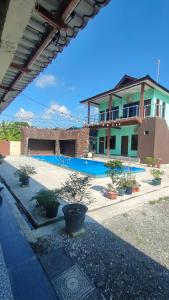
{"points": [[135, 189], [111, 195]]}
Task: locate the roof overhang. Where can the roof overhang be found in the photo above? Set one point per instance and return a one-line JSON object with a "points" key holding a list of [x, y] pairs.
{"points": [[128, 89], [32, 34]]}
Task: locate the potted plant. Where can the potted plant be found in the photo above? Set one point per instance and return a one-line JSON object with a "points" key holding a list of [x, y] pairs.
{"points": [[129, 183], [111, 190], [75, 191], [121, 186], [49, 201], [23, 173], [1, 158], [156, 173]]}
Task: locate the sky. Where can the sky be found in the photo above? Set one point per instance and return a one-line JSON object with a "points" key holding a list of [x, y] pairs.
{"points": [[126, 37]]}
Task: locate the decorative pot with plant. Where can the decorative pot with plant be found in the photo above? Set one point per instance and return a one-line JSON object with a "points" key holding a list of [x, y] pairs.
{"points": [[111, 191], [129, 183], [136, 185], [49, 201], [156, 173], [23, 173], [75, 191], [121, 185]]}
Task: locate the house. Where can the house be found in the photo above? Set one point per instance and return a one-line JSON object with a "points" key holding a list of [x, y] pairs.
{"points": [[132, 119]]}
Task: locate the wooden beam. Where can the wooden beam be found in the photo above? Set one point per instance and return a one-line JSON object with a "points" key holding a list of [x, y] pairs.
{"points": [[110, 107], [108, 140], [142, 101], [3, 87], [49, 18], [19, 68]]}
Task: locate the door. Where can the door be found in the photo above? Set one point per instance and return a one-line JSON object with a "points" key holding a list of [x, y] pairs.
{"points": [[124, 145], [101, 145]]}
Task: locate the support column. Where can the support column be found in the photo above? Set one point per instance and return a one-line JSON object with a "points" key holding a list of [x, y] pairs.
{"points": [[142, 101], [108, 140], [110, 107], [88, 115]]}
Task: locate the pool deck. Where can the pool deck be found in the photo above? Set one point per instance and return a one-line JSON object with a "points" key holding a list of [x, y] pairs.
{"points": [[50, 176]]}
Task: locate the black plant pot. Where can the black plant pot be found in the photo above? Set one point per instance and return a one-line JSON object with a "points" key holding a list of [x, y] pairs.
{"points": [[51, 212], [129, 190], [74, 217], [24, 181], [156, 181]]}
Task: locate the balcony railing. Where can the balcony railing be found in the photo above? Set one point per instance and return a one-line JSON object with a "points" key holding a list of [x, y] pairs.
{"points": [[127, 113]]}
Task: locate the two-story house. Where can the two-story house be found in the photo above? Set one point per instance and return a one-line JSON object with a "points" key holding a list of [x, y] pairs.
{"points": [[132, 119]]}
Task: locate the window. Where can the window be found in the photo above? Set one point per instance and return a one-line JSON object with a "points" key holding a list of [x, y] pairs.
{"points": [[163, 110], [147, 107], [131, 110], [112, 142], [115, 112], [102, 116], [134, 142], [157, 107]]}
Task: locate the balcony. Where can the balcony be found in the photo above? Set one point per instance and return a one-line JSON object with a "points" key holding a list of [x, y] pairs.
{"points": [[126, 116]]}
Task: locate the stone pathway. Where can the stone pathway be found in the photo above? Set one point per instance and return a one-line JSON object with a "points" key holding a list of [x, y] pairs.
{"points": [[57, 277]]}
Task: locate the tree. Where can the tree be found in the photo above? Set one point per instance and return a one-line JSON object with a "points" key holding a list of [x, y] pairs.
{"points": [[11, 131]]}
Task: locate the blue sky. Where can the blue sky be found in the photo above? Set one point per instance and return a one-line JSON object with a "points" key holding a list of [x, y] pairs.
{"points": [[125, 37]]}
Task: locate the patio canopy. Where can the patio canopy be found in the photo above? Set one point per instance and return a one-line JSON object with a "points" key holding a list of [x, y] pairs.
{"points": [[32, 33]]}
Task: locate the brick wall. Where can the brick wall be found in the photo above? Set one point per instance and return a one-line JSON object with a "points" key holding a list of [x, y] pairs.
{"points": [[81, 137]]}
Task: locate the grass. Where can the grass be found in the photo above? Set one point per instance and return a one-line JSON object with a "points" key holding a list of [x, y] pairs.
{"points": [[153, 202]]}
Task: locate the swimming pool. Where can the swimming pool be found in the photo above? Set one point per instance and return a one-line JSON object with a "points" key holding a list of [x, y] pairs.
{"points": [[89, 167]]}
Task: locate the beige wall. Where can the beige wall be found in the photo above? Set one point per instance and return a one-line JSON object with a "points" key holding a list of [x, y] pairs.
{"points": [[15, 148]]}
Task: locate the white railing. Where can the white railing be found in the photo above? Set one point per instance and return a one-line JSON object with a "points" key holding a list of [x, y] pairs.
{"points": [[151, 110]]}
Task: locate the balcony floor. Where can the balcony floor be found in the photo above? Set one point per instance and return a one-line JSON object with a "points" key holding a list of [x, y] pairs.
{"points": [[118, 123]]}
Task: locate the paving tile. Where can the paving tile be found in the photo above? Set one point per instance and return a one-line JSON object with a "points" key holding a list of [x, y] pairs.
{"points": [[16, 250], [56, 262], [72, 284], [29, 282]]}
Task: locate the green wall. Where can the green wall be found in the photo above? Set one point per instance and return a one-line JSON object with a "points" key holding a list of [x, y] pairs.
{"points": [[126, 131]]}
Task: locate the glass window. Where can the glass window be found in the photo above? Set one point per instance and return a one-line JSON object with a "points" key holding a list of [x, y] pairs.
{"points": [[113, 142], [163, 110], [134, 142], [147, 107]]}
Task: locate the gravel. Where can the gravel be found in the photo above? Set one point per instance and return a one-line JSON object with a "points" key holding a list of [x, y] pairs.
{"points": [[126, 257]]}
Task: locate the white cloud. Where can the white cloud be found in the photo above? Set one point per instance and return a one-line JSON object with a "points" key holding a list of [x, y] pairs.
{"points": [[45, 80], [24, 114], [55, 108]]}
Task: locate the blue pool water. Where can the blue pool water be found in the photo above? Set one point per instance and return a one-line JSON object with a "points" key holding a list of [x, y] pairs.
{"points": [[89, 167]]}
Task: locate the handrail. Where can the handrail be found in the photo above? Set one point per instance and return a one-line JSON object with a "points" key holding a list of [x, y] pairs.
{"points": [[126, 113]]}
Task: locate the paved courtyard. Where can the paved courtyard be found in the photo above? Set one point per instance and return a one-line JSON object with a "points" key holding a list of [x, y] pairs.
{"points": [[123, 253], [51, 176]]}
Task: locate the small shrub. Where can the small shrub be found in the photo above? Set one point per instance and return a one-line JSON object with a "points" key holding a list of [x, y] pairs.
{"points": [[48, 198], [112, 164], [75, 189], [23, 174], [156, 173], [152, 161]]}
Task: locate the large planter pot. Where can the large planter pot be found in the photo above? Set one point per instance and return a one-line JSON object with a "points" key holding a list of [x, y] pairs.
{"points": [[135, 189], [51, 212], [74, 217], [156, 181], [129, 190], [111, 195], [24, 181], [121, 192]]}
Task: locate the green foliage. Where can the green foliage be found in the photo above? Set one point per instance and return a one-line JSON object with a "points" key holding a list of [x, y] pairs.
{"points": [[152, 161], [10, 131], [113, 164], [75, 189], [24, 172], [48, 198], [156, 173]]}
